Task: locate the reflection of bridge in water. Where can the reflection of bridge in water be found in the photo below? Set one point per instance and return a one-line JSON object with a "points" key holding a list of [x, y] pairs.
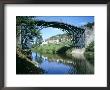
{"points": [[77, 34]]}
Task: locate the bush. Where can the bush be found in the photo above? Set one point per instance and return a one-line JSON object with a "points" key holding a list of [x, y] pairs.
{"points": [[89, 53], [90, 48]]}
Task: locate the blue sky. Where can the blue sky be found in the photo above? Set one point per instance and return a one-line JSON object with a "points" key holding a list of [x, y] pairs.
{"points": [[73, 20]]}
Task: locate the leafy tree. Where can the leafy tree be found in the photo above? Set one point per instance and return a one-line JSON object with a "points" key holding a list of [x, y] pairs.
{"points": [[27, 31], [90, 48], [90, 25]]}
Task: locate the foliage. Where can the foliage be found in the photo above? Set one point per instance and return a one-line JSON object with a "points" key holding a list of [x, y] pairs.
{"points": [[90, 48], [49, 48], [63, 50], [89, 25], [89, 53], [90, 57], [53, 48], [27, 30]]}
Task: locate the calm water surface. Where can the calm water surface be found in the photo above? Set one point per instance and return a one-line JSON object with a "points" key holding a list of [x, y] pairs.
{"points": [[61, 64]]}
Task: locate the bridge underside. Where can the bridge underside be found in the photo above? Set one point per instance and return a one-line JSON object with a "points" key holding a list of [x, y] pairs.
{"points": [[77, 34]]}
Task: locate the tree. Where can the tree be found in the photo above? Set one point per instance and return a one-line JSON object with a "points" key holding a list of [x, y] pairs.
{"points": [[89, 25], [27, 31], [90, 48]]}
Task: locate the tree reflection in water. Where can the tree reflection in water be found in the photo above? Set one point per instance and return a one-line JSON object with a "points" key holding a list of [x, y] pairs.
{"points": [[62, 64]]}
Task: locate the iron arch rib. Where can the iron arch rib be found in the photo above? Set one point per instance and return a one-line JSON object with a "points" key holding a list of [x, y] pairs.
{"points": [[76, 32]]}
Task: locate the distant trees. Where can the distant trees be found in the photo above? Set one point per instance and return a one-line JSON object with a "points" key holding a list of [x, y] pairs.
{"points": [[89, 25], [27, 32]]}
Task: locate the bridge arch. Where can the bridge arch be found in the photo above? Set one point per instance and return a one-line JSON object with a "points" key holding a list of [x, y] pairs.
{"points": [[77, 34]]}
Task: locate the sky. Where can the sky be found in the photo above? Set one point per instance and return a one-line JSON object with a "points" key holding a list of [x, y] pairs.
{"points": [[73, 20]]}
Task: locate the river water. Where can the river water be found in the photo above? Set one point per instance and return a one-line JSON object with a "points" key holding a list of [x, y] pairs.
{"points": [[62, 64]]}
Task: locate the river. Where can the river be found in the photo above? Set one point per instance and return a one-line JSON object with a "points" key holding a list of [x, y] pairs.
{"points": [[62, 64]]}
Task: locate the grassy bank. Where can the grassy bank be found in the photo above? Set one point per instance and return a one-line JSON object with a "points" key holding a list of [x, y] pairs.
{"points": [[24, 65], [65, 50], [50, 49]]}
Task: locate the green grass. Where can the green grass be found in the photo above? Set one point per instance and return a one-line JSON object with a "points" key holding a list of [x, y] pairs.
{"points": [[49, 48]]}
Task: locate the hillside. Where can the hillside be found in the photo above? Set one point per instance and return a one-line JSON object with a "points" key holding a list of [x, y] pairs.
{"points": [[57, 39]]}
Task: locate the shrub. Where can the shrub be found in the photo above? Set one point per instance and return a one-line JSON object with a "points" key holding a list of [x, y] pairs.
{"points": [[90, 48]]}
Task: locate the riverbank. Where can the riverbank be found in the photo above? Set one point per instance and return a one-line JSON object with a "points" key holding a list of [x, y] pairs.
{"points": [[24, 65], [51, 49], [67, 50]]}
